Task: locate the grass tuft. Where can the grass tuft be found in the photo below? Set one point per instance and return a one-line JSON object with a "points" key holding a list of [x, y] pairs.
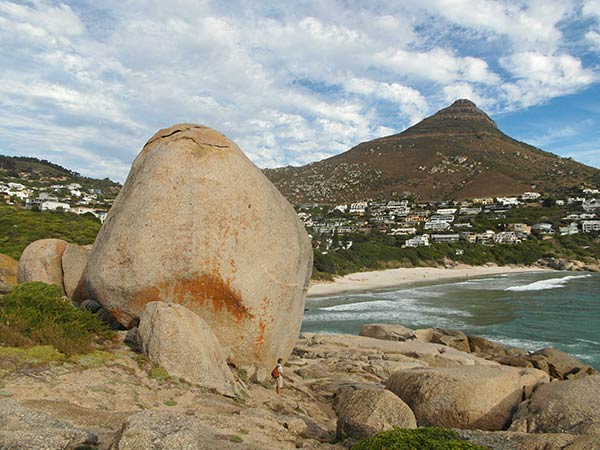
{"points": [[419, 439]]}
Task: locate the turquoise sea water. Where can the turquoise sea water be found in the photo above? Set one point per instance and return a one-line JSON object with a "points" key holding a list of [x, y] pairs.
{"points": [[528, 310]]}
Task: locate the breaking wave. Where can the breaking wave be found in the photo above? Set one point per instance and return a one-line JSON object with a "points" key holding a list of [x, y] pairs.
{"points": [[552, 283]]}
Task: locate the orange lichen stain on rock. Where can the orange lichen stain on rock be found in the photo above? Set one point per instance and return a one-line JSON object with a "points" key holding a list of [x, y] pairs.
{"points": [[260, 339], [196, 289]]}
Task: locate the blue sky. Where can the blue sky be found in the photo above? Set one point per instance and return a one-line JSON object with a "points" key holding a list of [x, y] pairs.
{"points": [[86, 83]]}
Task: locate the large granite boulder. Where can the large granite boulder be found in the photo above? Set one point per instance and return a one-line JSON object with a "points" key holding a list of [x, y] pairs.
{"points": [[26, 429], [387, 332], [365, 412], [74, 260], [184, 345], [42, 261], [196, 223], [471, 397], [569, 406], [8, 272]]}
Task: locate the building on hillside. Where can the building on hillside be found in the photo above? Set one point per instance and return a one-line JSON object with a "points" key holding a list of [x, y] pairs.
{"points": [[569, 230], [437, 226], [406, 231], [53, 206], [543, 228], [468, 236], [358, 208], [486, 238], [446, 211], [418, 241], [506, 237], [590, 225], [469, 211], [483, 201], [530, 196], [591, 191], [590, 205], [445, 238], [508, 201], [442, 218], [521, 228]]}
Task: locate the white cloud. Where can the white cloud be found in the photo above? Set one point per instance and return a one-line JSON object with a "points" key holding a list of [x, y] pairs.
{"points": [[290, 82], [540, 77]]}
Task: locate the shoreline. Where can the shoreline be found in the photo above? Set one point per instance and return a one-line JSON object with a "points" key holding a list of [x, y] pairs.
{"points": [[391, 278]]}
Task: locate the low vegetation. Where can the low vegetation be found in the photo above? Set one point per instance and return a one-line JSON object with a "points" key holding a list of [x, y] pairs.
{"points": [[36, 314], [19, 227], [378, 252], [419, 439]]}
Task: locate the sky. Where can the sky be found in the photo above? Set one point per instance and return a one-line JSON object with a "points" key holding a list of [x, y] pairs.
{"points": [[86, 83]]}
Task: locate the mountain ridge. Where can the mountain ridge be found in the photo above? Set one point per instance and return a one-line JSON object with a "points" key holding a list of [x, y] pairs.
{"points": [[458, 152]]}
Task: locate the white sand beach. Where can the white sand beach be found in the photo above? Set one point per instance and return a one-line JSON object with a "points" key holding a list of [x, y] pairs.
{"points": [[383, 279]]}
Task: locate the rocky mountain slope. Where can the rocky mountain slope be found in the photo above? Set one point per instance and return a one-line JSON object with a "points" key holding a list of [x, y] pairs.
{"points": [[459, 152]]}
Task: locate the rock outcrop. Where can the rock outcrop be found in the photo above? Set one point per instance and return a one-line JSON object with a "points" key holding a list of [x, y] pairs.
{"points": [[387, 332], [508, 440], [170, 430], [477, 397], [184, 345], [42, 261], [569, 406], [365, 412], [196, 223], [561, 365], [8, 272], [26, 429]]}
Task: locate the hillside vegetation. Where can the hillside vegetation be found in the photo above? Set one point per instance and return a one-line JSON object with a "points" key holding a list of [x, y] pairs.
{"points": [[19, 227]]}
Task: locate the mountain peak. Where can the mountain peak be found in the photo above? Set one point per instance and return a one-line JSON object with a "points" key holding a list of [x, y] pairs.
{"points": [[462, 116]]}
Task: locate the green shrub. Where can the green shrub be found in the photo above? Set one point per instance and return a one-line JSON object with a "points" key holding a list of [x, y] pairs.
{"points": [[419, 439], [37, 314]]}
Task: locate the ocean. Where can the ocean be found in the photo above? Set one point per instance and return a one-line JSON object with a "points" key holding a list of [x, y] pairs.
{"points": [[530, 310]]}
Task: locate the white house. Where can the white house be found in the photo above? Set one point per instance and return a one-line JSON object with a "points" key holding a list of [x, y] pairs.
{"points": [[506, 237], [508, 201], [446, 211], [358, 208], [543, 228], [569, 229], [403, 231], [437, 226], [530, 196], [53, 206], [590, 225], [445, 238], [418, 241]]}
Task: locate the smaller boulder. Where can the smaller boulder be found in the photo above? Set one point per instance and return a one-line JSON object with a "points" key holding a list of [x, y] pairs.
{"points": [[8, 273], [387, 332], [184, 345], [74, 260], [470, 397], [452, 338], [365, 412], [42, 261], [569, 406], [561, 364]]}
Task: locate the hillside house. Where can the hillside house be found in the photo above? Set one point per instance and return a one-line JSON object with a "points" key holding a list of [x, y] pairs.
{"points": [[418, 241], [590, 225], [519, 228], [468, 236], [483, 201], [469, 211], [446, 211], [486, 238], [358, 208], [408, 231], [437, 226], [569, 230], [542, 228], [445, 238], [53, 206], [525, 196], [508, 201], [442, 218], [506, 237]]}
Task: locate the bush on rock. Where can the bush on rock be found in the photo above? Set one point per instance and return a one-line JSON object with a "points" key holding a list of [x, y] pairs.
{"points": [[419, 439], [36, 313]]}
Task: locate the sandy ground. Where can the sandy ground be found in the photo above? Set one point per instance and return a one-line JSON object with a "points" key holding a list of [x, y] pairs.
{"points": [[384, 279]]}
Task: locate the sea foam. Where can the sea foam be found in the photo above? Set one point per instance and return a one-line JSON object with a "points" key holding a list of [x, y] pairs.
{"points": [[552, 283]]}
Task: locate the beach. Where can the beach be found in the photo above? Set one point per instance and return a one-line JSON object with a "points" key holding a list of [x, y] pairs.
{"points": [[385, 279]]}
